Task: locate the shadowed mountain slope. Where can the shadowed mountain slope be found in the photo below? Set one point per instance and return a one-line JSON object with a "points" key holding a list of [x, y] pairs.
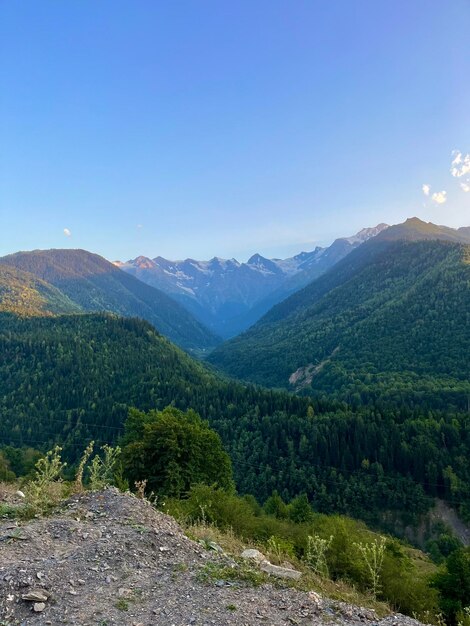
{"points": [[94, 284]]}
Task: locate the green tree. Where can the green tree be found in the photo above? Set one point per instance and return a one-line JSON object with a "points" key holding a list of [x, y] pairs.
{"points": [[453, 584], [300, 509], [5, 471], [173, 450], [276, 506]]}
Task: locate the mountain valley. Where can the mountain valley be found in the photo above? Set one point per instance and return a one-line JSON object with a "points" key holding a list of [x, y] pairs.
{"points": [[396, 310], [347, 399], [229, 296]]}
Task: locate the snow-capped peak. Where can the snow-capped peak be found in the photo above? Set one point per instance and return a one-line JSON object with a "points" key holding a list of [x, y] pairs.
{"points": [[365, 234]]}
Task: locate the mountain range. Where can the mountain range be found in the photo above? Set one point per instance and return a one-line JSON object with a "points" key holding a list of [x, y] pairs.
{"points": [[396, 310], [70, 281], [374, 352], [228, 296]]}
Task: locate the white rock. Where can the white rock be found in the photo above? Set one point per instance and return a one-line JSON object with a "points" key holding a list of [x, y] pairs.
{"points": [[254, 555], [315, 597], [279, 572]]}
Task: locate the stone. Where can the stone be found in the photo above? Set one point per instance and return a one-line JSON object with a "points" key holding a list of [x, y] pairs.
{"points": [[123, 592], [39, 607], [254, 555], [315, 598], [36, 595], [279, 572]]}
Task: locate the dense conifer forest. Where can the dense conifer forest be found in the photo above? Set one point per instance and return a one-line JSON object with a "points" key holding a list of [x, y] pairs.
{"points": [[73, 378], [387, 326]]}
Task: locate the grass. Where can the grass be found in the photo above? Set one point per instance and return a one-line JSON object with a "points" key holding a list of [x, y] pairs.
{"points": [[233, 545], [122, 605], [211, 573], [9, 511], [207, 533]]}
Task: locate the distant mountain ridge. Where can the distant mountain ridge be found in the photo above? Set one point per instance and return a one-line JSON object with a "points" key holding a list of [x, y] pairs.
{"points": [[414, 229], [397, 309], [89, 283], [229, 296]]}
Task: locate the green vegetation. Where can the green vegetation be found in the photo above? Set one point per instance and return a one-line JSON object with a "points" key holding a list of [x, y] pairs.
{"points": [[172, 450], [72, 379], [387, 326], [401, 578], [122, 605], [75, 280], [47, 488], [24, 294], [453, 583], [380, 349], [337, 555]]}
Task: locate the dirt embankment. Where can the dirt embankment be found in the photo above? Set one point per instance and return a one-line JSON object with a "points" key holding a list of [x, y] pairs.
{"points": [[107, 559]]}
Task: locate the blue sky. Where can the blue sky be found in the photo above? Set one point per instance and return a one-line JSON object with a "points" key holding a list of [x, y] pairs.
{"points": [[202, 128]]}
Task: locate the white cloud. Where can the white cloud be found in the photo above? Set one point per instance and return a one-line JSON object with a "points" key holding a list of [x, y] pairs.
{"points": [[460, 164], [439, 197], [458, 157], [67, 232], [426, 189], [465, 187]]}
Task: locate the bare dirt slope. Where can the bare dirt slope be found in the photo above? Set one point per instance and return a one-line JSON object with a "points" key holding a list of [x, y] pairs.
{"points": [[107, 558], [444, 513]]}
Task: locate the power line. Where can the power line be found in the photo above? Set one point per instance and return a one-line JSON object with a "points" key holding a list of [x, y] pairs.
{"points": [[258, 467]]}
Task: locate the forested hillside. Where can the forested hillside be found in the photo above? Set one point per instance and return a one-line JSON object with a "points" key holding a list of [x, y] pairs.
{"points": [[94, 284], [24, 294], [69, 379], [389, 324]]}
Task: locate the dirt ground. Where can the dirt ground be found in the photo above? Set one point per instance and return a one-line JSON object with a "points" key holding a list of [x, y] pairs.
{"points": [[108, 558]]}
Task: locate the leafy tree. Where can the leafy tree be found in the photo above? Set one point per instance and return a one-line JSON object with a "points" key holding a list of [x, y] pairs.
{"points": [[173, 450], [276, 506], [453, 584], [5, 471], [300, 509]]}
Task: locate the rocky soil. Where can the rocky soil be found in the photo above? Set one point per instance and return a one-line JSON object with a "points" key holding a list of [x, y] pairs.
{"points": [[106, 558]]}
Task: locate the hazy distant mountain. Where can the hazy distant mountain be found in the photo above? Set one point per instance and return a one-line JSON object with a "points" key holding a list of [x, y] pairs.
{"points": [[397, 309], [94, 284], [229, 296]]}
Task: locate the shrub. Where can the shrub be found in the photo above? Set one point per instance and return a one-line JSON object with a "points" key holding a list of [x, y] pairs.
{"points": [[102, 469], [46, 489]]}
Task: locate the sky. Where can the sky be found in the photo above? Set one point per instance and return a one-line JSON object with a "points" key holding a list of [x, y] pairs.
{"points": [[205, 128]]}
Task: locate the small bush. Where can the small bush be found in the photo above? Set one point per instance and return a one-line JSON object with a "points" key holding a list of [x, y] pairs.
{"points": [[315, 554], [102, 469], [46, 489]]}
